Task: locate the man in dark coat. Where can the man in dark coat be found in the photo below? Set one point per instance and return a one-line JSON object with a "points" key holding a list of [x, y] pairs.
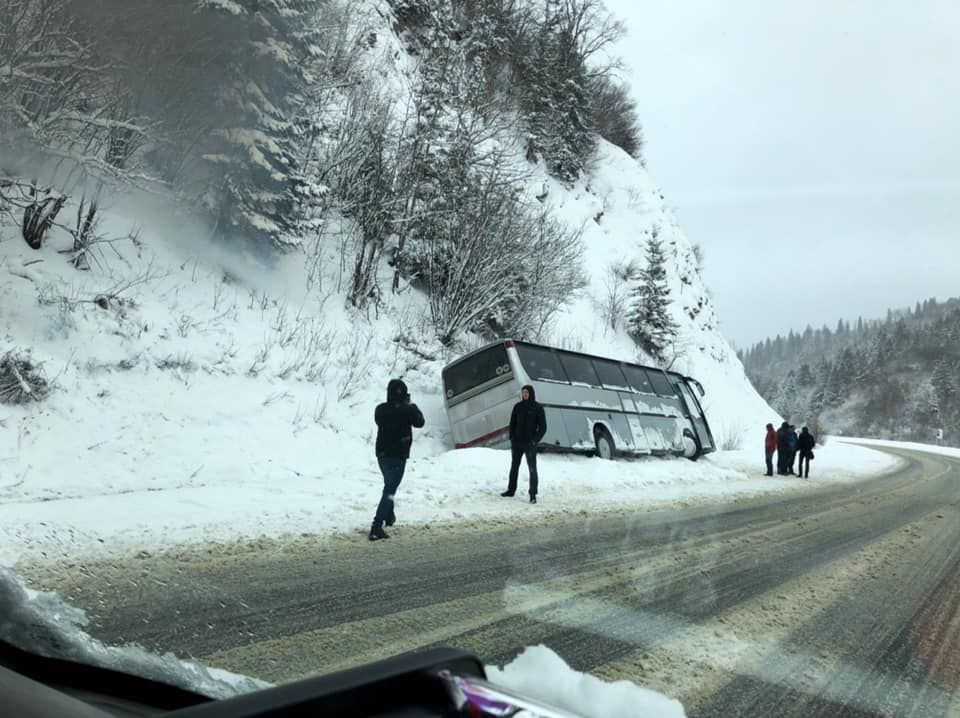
{"points": [[805, 443], [528, 424], [769, 447], [783, 448], [792, 449], [394, 418]]}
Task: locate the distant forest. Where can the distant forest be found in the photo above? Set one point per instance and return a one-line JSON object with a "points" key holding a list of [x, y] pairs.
{"points": [[894, 378]]}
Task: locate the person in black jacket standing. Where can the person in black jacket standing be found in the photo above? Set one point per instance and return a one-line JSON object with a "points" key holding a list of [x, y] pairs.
{"points": [[528, 424], [783, 448], [394, 418], [805, 444]]}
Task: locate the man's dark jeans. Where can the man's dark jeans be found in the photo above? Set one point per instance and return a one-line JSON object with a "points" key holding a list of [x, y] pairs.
{"points": [[518, 451], [392, 470], [782, 464], [769, 462]]}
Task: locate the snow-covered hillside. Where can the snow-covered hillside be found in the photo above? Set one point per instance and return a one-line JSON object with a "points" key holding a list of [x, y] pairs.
{"points": [[204, 392], [619, 205]]}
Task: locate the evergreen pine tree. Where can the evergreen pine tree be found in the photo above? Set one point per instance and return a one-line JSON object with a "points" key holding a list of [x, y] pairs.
{"points": [[945, 383], [786, 400], [254, 162], [648, 321]]}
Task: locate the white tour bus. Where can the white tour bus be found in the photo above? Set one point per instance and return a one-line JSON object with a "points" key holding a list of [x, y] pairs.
{"points": [[593, 404]]}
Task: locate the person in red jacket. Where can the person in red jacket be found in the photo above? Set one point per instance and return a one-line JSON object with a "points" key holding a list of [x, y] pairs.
{"points": [[770, 446]]}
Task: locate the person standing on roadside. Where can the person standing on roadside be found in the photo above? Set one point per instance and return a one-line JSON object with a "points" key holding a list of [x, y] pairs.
{"points": [[791, 449], [805, 443], [783, 448], [528, 424], [769, 448], [394, 419]]}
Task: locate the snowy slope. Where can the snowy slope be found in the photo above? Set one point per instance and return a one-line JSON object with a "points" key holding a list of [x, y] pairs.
{"points": [[618, 206], [204, 393], [217, 394]]}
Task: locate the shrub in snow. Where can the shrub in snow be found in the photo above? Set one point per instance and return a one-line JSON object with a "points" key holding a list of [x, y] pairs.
{"points": [[179, 362], [39, 215], [731, 437], [21, 380]]}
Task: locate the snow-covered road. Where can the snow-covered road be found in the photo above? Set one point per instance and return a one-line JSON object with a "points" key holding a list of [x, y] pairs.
{"points": [[728, 607]]}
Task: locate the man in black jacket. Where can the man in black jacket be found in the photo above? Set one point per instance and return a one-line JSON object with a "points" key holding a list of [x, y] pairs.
{"points": [[528, 424], [783, 448], [805, 444], [394, 418]]}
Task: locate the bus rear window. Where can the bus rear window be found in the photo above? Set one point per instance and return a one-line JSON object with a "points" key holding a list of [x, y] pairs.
{"points": [[541, 364], [476, 370]]}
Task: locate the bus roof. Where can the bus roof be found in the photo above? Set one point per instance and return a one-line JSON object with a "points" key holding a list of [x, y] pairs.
{"points": [[512, 342]]}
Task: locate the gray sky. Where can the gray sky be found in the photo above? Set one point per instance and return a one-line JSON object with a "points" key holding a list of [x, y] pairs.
{"points": [[812, 149]]}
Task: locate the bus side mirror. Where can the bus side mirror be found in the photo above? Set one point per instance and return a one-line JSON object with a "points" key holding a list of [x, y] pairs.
{"points": [[691, 380]]}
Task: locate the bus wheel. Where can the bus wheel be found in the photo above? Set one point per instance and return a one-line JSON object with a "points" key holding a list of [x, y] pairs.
{"points": [[604, 442], [691, 445]]}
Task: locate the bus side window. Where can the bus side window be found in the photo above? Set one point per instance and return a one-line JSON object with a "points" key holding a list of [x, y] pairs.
{"points": [[579, 369], [541, 364], [610, 375], [638, 379], [661, 385]]}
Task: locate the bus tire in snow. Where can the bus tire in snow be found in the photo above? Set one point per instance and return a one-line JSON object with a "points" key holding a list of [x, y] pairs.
{"points": [[693, 450], [603, 442]]}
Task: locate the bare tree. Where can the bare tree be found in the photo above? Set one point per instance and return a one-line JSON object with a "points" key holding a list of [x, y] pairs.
{"points": [[677, 349], [60, 96], [590, 29], [548, 272], [359, 168], [617, 284], [495, 263], [613, 114]]}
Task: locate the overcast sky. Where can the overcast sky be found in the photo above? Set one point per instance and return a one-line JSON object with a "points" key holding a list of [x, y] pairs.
{"points": [[812, 149]]}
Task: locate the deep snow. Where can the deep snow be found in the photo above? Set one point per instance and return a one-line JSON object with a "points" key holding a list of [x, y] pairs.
{"points": [[219, 394]]}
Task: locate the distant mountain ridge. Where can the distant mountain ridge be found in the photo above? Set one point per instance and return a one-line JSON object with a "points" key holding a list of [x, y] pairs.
{"points": [[892, 378]]}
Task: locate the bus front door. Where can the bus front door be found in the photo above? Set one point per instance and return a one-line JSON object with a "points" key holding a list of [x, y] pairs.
{"points": [[641, 442], [697, 417]]}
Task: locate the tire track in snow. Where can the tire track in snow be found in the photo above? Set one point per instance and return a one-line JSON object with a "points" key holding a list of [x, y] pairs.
{"points": [[626, 595]]}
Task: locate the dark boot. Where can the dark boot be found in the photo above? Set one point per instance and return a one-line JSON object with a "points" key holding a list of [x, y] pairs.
{"points": [[377, 533], [507, 493], [391, 519], [533, 499]]}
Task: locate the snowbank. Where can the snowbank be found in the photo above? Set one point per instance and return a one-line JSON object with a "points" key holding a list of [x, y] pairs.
{"points": [[42, 623], [580, 693]]}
